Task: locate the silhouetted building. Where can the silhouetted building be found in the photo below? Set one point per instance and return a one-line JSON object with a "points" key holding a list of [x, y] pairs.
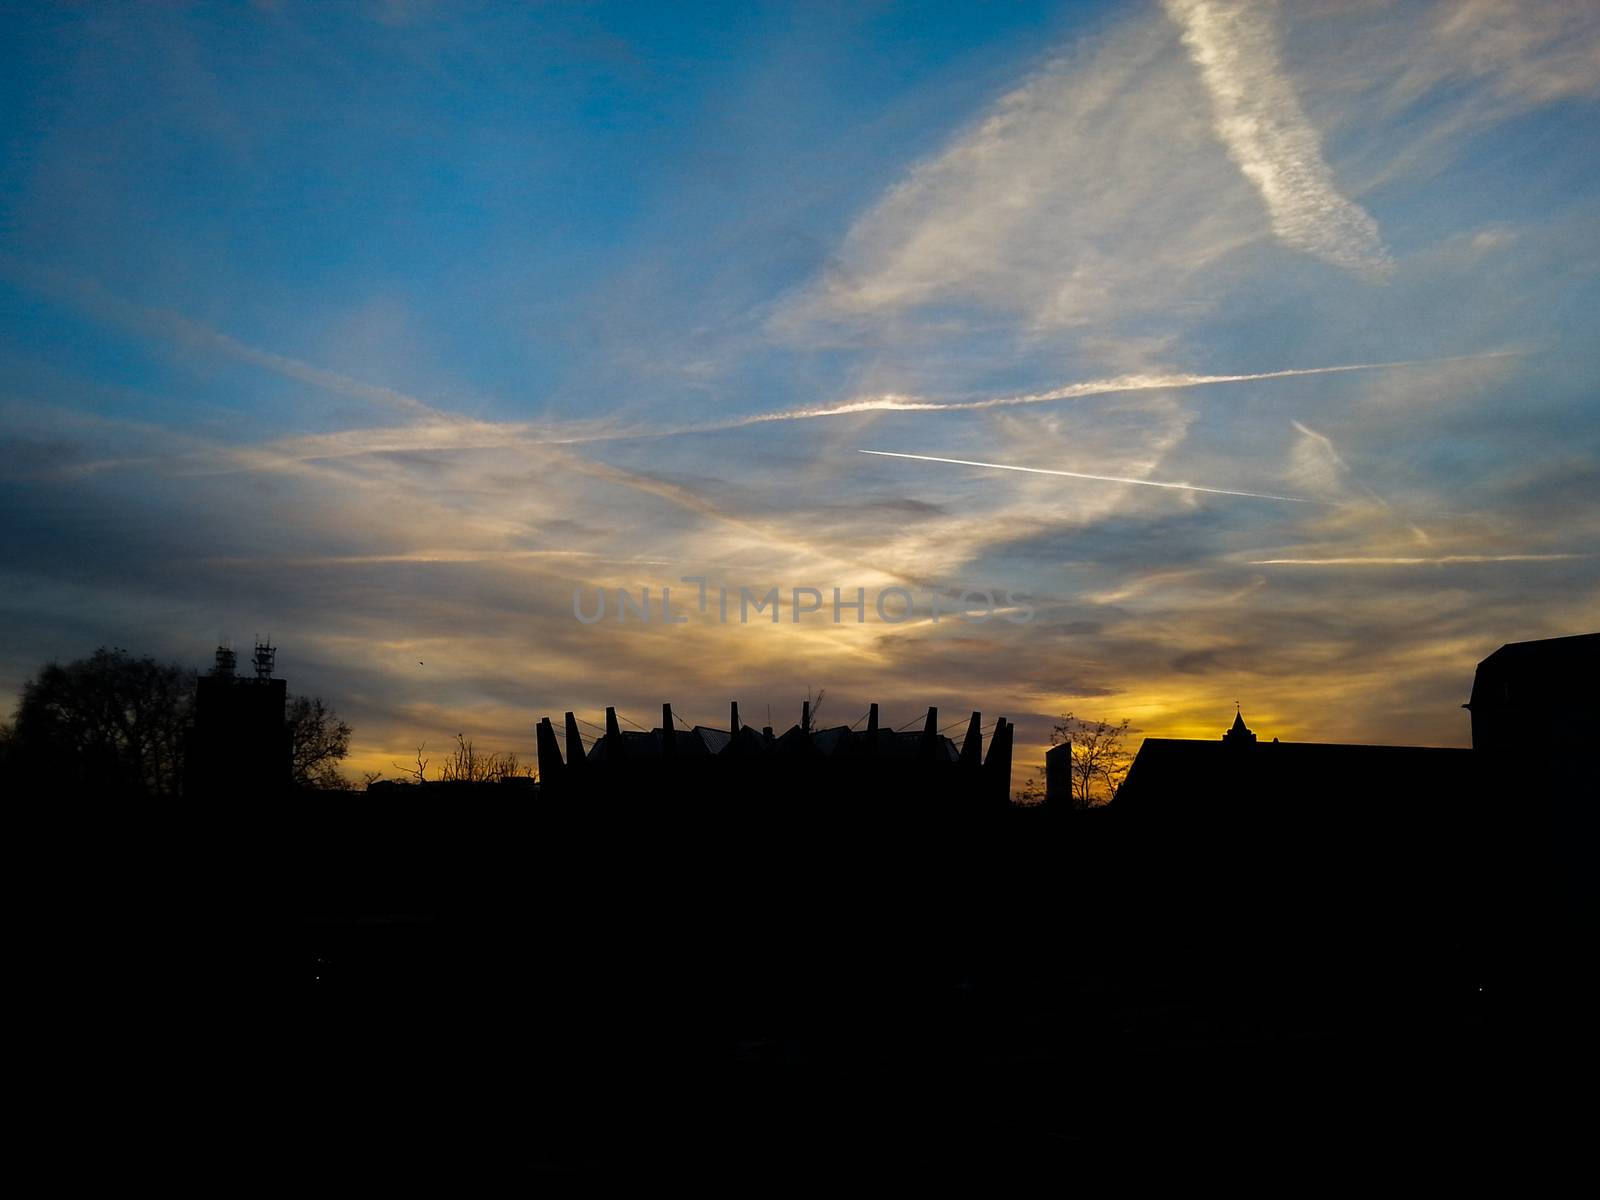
{"points": [[240, 744], [1541, 696], [738, 762], [1535, 714], [683, 897], [1190, 778], [1058, 774]]}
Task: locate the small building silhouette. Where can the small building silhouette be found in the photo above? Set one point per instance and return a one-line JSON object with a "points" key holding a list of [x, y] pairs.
{"points": [[240, 743]]}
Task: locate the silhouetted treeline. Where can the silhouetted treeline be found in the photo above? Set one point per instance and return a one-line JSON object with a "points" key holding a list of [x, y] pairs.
{"points": [[109, 725], [115, 727]]}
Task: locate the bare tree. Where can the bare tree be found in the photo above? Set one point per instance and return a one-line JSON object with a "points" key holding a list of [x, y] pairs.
{"points": [[318, 739], [418, 773], [1100, 759], [467, 765]]}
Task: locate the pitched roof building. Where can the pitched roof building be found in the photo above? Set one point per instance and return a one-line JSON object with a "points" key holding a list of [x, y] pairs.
{"points": [[1543, 693]]}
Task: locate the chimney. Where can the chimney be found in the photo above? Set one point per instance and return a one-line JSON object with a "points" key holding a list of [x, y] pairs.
{"points": [[930, 734], [551, 769], [574, 741], [1058, 775], [615, 746], [998, 765], [972, 747]]}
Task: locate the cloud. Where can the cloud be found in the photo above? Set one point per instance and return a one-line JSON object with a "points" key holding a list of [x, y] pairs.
{"points": [[1260, 121], [462, 434], [1410, 560], [1315, 465], [1529, 53], [91, 296], [1031, 210]]}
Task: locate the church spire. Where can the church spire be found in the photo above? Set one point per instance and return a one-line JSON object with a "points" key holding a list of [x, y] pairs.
{"points": [[1239, 734]]}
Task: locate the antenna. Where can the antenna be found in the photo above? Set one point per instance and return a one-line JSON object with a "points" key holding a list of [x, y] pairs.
{"points": [[265, 658]]}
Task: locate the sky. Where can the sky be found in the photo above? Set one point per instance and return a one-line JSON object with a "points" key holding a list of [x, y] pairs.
{"points": [[1214, 353]]}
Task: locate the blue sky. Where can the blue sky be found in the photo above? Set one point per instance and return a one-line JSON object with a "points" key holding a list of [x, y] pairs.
{"points": [[384, 327]]}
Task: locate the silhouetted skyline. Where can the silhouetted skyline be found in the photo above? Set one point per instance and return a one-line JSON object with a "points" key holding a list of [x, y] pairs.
{"points": [[383, 327]]}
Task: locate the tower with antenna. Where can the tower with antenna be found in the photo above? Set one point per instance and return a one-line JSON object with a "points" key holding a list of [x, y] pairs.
{"points": [[264, 659], [239, 745]]}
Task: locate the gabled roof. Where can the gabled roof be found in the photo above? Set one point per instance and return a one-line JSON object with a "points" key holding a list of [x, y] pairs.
{"points": [[715, 740]]}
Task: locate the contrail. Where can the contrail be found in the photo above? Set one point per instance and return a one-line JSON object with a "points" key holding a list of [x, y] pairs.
{"points": [[456, 434], [1071, 391], [1259, 119], [1182, 487], [1399, 561]]}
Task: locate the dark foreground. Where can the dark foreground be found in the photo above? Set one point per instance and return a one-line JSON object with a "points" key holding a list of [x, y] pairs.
{"points": [[822, 990]]}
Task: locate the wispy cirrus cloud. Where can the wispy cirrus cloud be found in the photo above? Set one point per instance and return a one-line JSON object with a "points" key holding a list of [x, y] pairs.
{"points": [[91, 296], [1261, 122], [1314, 463], [1026, 211], [1529, 54], [463, 434], [436, 429], [1410, 560]]}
